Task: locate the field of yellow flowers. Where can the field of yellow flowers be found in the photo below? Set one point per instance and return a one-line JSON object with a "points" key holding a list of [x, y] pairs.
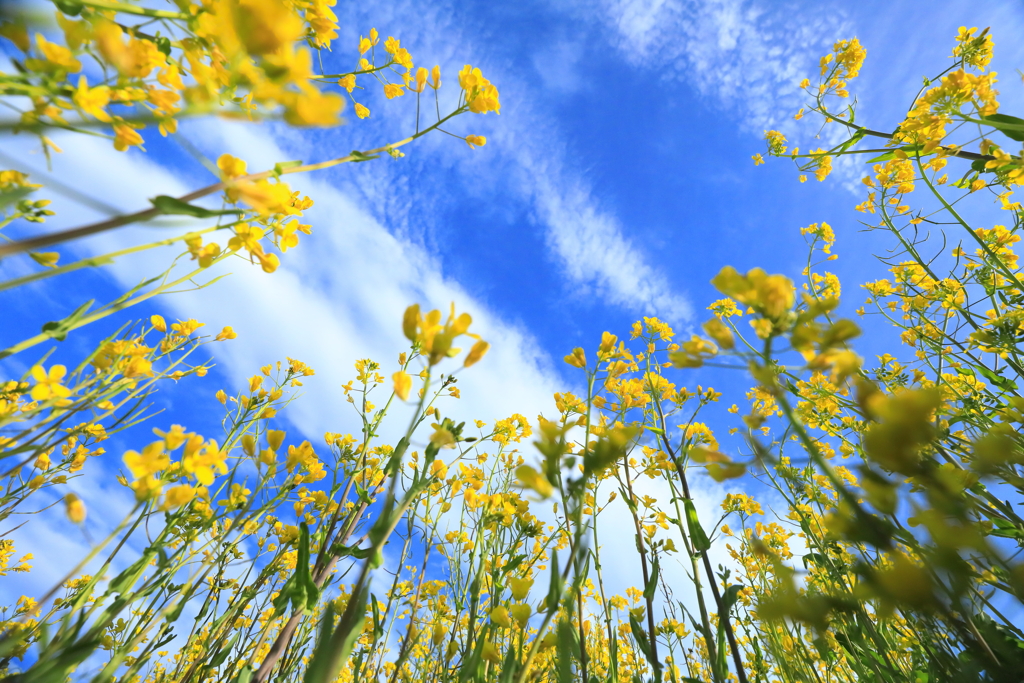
{"points": [[897, 557]]}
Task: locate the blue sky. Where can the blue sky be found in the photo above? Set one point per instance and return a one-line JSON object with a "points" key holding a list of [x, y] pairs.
{"points": [[615, 184]]}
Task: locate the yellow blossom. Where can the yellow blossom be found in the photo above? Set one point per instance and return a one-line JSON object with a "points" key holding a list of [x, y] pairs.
{"points": [[75, 508]]}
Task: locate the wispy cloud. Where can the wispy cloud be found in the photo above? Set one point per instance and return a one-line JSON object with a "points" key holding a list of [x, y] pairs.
{"points": [[745, 56], [592, 246], [338, 297], [526, 165]]}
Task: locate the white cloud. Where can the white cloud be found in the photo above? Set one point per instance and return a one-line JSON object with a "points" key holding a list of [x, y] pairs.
{"points": [[745, 56], [596, 256], [526, 164], [338, 297]]}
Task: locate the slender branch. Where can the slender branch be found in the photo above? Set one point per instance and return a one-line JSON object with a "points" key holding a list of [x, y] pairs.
{"points": [[33, 243]]}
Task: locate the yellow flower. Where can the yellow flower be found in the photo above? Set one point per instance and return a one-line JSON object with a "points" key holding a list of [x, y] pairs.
{"points": [[204, 254], [147, 487], [421, 80], [265, 197], [57, 57], [173, 437], [476, 141], [125, 137], [758, 159], [520, 587], [470, 78], [531, 479], [75, 508], [521, 613], [158, 323], [403, 383], [490, 652], [153, 459], [435, 339], [776, 142], [177, 496], [230, 167], [314, 108], [361, 111], [227, 333], [92, 100], [49, 385], [393, 90], [773, 295], [438, 469], [499, 616], [323, 21], [47, 259], [577, 359], [202, 459], [481, 95], [138, 367], [476, 353]]}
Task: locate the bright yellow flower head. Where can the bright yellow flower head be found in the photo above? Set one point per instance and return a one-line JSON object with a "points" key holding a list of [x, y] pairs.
{"points": [[49, 385], [57, 57], [75, 508], [92, 100]]}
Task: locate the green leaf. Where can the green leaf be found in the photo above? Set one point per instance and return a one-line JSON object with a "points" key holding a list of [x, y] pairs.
{"points": [[854, 139], [123, 582], [721, 662], [1006, 529], [887, 156], [69, 7], [555, 587], [512, 564], [378, 627], [697, 536], [222, 655], [245, 675], [359, 156], [1010, 126], [652, 584], [176, 207], [352, 551], [565, 652], [471, 665], [816, 558], [333, 649], [640, 636], [998, 380], [732, 594], [58, 329], [299, 590]]}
